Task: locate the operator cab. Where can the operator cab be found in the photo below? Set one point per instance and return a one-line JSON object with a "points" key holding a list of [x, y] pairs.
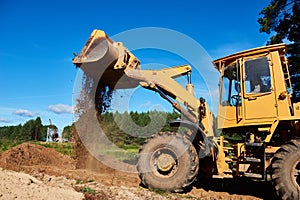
{"points": [[250, 86]]}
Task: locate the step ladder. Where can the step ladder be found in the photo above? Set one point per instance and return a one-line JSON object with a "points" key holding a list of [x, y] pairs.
{"points": [[286, 74], [255, 157]]}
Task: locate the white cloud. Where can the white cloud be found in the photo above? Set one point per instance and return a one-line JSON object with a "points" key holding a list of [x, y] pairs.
{"points": [[24, 113], [147, 104], [61, 108], [4, 120]]}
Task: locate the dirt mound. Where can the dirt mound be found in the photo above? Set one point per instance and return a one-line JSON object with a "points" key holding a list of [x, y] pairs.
{"points": [[36, 159], [28, 154]]}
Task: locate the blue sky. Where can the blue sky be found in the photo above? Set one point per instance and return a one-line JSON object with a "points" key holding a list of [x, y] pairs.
{"points": [[38, 38]]}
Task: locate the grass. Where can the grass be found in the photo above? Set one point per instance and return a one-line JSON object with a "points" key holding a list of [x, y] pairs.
{"points": [[160, 192], [131, 148], [66, 148], [79, 181], [124, 153], [6, 144], [87, 190]]}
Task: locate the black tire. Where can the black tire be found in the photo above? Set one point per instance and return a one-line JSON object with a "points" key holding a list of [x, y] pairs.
{"points": [[168, 161], [286, 170], [207, 165]]}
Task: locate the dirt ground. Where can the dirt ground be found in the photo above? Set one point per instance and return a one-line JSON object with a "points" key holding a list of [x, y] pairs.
{"points": [[31, 171]]}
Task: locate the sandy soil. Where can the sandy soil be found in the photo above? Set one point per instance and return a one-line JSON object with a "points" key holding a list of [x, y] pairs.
{"points": [[23, 186], [31, 171]]}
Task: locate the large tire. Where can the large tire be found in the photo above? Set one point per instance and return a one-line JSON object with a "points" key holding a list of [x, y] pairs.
{"points": [[286, 170], [168, 161]]}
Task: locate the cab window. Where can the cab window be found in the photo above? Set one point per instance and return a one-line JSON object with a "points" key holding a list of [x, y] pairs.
{"points": [[231, 88], [257, 74]]}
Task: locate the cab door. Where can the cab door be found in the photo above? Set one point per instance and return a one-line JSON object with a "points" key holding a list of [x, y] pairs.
{"points": [[259, 96], [230, 100]]}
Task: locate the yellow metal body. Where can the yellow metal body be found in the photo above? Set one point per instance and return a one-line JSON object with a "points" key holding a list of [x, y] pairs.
{"points": [[255, 96], [241, 107]]}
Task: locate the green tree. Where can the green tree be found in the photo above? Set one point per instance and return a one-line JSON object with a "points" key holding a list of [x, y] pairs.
{"points": [[44, 132], [67, 131], [17, 131], [27, 130], [37, 129], [281, 18], [31, 130]]}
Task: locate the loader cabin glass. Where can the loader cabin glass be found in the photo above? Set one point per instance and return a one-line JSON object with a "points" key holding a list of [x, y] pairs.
{"points": [[231, 89], [257, 80], [257, 76]]}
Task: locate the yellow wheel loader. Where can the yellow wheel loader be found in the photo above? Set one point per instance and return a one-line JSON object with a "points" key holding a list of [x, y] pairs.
{"points": [[254, 103]]}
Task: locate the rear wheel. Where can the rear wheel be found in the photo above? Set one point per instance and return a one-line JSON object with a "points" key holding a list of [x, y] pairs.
{"points": [[286, 170], [168, 161]]}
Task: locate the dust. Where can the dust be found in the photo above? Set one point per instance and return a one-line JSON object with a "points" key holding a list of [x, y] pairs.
{"points": [[95, 99]]}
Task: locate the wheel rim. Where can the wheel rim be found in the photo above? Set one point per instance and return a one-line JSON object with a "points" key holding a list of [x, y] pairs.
{"points": [[164, 162], [295, 173]]}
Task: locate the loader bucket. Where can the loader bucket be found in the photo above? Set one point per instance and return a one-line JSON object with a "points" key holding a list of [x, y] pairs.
{"points": [[106, 60]]}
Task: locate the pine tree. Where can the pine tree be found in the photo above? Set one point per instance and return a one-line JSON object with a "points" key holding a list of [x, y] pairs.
{"points": [[282, 19], [37, 129]]}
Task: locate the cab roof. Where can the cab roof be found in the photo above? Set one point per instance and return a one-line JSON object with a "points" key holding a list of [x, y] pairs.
{"points": [[281, 48]]}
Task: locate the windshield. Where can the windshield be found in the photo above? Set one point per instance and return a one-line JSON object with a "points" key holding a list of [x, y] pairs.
{"points": [[231, 86]]}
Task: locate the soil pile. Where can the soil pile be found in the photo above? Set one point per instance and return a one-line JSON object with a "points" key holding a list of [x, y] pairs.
{"points": [[36, 160], [27, 154]]}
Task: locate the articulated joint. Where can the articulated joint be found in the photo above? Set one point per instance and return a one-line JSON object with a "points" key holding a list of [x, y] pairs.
{"points": [[202, 109], [195, 134], [193, 127]]}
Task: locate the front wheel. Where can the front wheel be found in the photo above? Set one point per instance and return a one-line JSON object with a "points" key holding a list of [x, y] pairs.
{"points": [[286, 170], [168, 161]]}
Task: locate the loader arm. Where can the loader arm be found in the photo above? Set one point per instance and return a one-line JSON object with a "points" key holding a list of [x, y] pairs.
{"points": [[117, 67], [162, 81]]}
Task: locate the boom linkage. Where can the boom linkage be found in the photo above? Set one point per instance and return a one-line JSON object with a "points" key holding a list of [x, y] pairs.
{"points": [[162, 81]]}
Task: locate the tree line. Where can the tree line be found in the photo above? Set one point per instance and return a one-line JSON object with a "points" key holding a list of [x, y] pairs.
{"points": [[133, 128], [33, 129], [120, 128]]}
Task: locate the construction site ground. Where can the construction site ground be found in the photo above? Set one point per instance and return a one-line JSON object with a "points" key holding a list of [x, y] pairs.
{"points": [[30, 171]]}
